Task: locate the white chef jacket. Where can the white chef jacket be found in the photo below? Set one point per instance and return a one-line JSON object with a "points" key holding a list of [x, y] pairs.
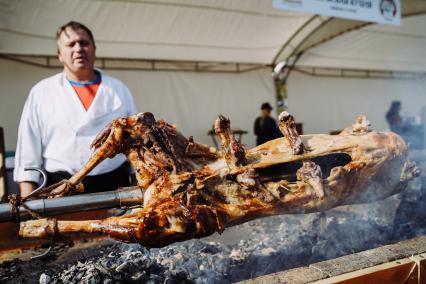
{"points": [[56, 131]]}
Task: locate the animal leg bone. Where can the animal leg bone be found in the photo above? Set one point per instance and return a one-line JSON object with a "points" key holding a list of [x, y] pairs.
{"points": [[233, 151], [287, 126], [310, 173]]}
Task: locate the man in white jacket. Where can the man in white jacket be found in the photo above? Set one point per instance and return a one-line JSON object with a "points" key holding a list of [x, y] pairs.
{"points": [[64, 113]]}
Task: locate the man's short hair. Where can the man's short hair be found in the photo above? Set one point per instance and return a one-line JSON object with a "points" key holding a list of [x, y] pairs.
{"points": [[75, 26]]}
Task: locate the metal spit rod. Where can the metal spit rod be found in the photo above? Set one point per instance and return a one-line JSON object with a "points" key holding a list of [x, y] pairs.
{"points": [[128, 196]]}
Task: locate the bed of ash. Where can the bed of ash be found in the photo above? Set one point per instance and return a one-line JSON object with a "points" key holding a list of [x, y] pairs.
{"points": [[255, 248]]}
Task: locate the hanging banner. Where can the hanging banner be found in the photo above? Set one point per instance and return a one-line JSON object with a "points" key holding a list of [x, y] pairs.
{"points": [[379, 11]]}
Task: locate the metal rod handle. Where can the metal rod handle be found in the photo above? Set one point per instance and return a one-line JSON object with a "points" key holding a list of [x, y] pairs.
{"points": [[129, 196]]}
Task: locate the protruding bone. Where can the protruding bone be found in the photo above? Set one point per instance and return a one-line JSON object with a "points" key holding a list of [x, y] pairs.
{"points": [[109, 142], [107, 145], [288, 129], [233, 151], [42, 228], [410, 171], [311, 174], [360, 127]]}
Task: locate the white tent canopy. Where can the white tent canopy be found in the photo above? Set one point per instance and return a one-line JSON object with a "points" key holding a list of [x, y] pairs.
{"points": [[374, 47], [244, 31], [135, 37], [237, 31]]}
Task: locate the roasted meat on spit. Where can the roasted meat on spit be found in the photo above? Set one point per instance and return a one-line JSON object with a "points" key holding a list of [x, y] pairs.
{"points": [[193, 191]]}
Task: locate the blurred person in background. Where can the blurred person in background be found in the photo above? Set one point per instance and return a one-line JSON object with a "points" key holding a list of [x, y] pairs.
{"points": [[406, 127], [265, 127], [393, 117]]}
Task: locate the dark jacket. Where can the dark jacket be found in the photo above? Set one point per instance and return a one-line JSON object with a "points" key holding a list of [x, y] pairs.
{"points": [[266, 129]]}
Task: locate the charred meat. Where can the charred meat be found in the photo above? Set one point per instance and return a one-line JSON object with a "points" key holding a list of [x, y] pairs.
{"points": [[193, 191]]}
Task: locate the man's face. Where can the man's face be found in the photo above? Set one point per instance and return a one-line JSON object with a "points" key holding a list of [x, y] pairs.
{"points": [[266, 112], [76, 50]]}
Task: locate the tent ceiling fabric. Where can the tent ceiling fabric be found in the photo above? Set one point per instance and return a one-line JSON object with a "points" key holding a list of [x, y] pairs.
{"points": [[237, 31], [374, 47], [243, 31], [323, 29]]}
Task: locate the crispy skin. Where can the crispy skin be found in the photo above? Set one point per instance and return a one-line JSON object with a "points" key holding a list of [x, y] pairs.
{"points": [[193, 191]]}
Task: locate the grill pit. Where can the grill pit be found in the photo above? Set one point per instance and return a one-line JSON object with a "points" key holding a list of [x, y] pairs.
{"points": [[249, 250]]}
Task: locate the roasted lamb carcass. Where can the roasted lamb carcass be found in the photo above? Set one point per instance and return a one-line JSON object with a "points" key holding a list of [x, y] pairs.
{"points": [[193, 191]]}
